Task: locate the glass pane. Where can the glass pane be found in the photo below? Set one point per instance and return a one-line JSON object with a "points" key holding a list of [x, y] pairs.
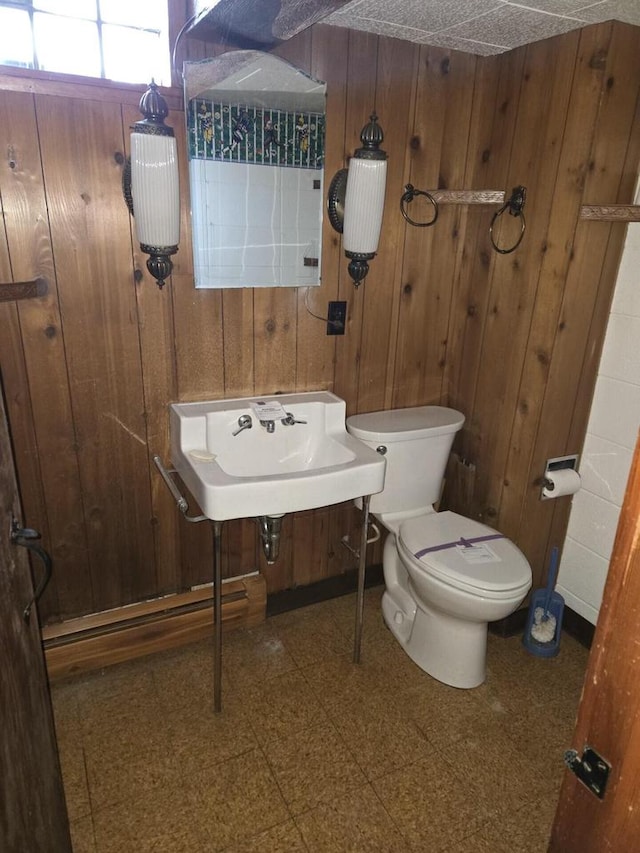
{"points": [[53, 39], [134, 56], [147, 14], [70, 8], [16, 46]]}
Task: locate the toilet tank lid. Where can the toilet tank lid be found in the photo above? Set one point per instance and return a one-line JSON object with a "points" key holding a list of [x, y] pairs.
{"points": [[405, 424]]}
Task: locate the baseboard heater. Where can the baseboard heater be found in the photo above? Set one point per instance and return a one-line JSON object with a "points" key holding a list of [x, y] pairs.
{"points": [[114, 636]]}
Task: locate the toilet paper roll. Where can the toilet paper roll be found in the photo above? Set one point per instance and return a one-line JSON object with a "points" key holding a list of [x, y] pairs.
{"points": [[563, 482]]}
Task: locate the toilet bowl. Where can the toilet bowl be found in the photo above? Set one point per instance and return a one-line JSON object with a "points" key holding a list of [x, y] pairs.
{"points": [[446, 576]]}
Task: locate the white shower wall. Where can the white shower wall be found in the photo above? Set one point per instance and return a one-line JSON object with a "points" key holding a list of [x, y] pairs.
{"points": [[611, 437]]}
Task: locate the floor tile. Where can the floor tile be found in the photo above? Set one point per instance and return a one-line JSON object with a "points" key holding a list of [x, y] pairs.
{"points": [[310, 636], [311, 766], [492, 772], [252, 656], [185, 676], [239, 798], [524, 831], [74, 774], [381, 737], [198, 737], [446, 714], [162, 821], [141, 773], [428, 803], [82, 835], [284, 838], [283, 705], [355, 822]]}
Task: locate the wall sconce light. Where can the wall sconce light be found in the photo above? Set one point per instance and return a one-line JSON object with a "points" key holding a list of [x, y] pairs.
{"points": [[356, 200], [150, 185]]}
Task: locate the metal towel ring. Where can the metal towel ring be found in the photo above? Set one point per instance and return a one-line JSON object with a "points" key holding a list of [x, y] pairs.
{"points": [[410, 192], [515, 206]]}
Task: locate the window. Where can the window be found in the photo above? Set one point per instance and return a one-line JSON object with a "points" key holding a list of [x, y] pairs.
{"points": [[123, 40]]}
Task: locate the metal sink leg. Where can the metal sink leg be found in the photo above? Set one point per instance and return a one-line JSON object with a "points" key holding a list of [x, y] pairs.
{"points": [[217, 616], [361, 572]]}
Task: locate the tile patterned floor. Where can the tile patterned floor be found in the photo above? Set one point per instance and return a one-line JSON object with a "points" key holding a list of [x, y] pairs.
{"points": [[312, 753]]}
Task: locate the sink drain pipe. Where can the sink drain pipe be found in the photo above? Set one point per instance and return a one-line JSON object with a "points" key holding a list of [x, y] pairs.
{"points": [[270, 527]]}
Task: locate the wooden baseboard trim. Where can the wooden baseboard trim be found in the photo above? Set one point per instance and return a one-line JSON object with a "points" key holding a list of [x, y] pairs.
{"points": [[578, 627], [513, 624], [99, 640], [334, 587]]}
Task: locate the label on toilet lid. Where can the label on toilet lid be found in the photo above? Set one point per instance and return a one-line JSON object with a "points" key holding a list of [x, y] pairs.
{"points": [[463, 543], [477, 553]]}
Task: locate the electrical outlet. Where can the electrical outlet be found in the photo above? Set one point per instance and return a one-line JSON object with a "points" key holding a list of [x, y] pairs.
{"points": [[336, 318]]}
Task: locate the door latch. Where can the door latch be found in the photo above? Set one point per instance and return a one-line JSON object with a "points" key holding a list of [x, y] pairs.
{"points": [[592, 770], [24, 536]]}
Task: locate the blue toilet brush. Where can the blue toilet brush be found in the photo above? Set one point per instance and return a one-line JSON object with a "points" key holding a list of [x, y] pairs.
{"points": [[542, 635]]}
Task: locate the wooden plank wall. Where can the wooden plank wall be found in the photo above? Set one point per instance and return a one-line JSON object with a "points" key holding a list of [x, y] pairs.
{"points": [[511, 340]]}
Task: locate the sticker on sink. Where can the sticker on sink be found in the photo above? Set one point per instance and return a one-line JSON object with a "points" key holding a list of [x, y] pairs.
{"points": [[202, 455], [271, 411]]}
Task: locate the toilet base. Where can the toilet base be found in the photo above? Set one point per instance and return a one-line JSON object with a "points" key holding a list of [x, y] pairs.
{"points": [[451, 650]]}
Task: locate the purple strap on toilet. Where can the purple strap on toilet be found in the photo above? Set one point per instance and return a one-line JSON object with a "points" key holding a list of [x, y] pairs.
{"points": [[467, 543]]}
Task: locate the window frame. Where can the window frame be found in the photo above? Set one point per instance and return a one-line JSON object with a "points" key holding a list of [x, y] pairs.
{"points": [[28, 7]]}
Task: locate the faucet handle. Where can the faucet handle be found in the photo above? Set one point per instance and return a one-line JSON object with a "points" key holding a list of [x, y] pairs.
{"points": [[244, 422], [290, 420]]}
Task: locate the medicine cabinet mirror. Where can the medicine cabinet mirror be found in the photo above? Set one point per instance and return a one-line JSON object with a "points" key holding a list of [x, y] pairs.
{"points": [[256, 135]]}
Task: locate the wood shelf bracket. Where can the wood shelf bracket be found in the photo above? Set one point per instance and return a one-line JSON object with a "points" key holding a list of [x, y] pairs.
{"points": [[611, 212]]}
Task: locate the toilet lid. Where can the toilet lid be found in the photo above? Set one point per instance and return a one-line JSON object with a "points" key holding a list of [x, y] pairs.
{"points": [[464, 552]]}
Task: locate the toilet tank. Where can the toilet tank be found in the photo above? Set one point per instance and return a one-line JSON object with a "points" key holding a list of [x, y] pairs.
{"points": [[418, 442]]}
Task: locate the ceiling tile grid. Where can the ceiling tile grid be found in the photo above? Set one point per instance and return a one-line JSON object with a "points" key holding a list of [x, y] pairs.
{"points": [[483, 27]]}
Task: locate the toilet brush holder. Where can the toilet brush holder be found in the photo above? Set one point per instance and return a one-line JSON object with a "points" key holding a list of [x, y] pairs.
{"points": [[544, 619]]}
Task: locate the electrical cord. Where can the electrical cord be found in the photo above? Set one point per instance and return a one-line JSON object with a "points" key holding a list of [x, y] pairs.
{"points": [[183, 29], [337, 323]]}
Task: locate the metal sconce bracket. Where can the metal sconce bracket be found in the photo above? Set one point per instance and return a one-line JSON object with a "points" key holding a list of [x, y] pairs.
{"points": [[335, 199]]}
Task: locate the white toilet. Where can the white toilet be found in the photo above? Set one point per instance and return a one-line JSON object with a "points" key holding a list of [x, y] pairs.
{"points": [[446, 576]]}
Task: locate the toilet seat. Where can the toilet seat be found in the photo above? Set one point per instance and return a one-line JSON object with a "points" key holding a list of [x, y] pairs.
{"points": [[464, 554]]}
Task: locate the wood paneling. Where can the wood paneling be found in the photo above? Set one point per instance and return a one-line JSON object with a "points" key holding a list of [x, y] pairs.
{"points": [[511, 340]]}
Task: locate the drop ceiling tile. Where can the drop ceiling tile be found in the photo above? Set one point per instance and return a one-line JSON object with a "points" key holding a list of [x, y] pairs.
{"points": [[478, 48], [428, 15], [514, 26], [554, 7], [627, 11], [379, 28]]}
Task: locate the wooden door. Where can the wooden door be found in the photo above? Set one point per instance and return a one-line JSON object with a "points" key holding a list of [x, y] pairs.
{"points": [[33, 814], [609, 714]]}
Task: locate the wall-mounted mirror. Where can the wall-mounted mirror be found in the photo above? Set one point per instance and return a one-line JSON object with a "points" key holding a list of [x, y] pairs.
{"points": [[255, 133]]}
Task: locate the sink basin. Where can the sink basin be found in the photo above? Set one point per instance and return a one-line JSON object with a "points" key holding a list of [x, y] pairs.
{"points": [[297, 466]]}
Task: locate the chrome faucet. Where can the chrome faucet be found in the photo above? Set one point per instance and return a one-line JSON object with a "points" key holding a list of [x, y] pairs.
{"points": [[290, 420], [244, 422], [270, 426]]}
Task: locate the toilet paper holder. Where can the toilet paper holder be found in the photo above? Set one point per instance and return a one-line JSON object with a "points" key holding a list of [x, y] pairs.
{"points": [[552, 465]]}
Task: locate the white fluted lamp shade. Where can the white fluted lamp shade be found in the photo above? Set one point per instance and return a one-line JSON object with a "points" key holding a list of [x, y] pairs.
{"points": [[364, 201], [364, 205], [155, 191], [154, 188]]}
